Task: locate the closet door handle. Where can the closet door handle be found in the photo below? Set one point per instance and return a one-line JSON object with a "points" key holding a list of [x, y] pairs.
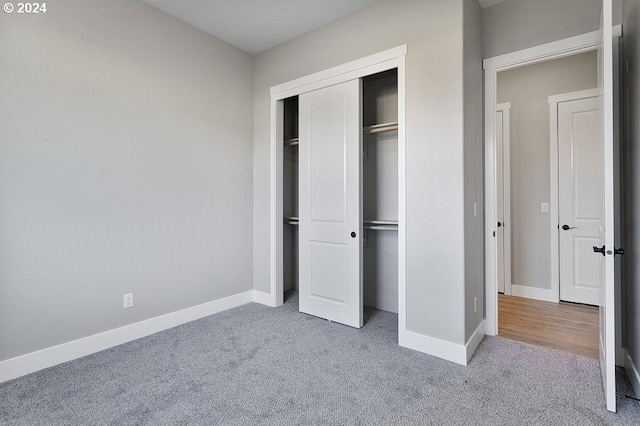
{"points": [[567, 227], [353, 235]]}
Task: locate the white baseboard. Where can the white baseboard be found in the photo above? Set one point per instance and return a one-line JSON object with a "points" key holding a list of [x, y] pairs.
{"points": [[439, 348], [460, 354], [544, 294], [632, 372], [383, 303], [48, 357], [263, 298], [474, 341]]}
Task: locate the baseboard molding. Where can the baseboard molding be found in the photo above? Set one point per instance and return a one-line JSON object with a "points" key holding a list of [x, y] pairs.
{"points": [[546, 295], [263, 298], [383, 303], [45, 358], [431, 346], [632, 372], [474, 341]]}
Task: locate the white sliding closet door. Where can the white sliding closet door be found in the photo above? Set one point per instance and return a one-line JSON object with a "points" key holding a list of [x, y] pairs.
{"points": [[330, 203]]}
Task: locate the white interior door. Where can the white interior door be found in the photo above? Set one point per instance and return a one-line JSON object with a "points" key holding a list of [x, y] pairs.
{"points": [[607, 221], [330, 203], [580, 192]]}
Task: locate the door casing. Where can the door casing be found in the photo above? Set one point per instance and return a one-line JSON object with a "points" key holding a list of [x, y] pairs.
{"points": [[554, 50]]}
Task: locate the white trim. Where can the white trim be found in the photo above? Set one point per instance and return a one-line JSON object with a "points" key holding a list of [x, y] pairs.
{"points": [[343, 72], [554, 190], [460, 354], [632, 372], [48, 357], [402, 202], [474, 341], [544, 294], [574, 96], [554, 197], [386, 60], [263, 298], [544, 52], [439, 348]]}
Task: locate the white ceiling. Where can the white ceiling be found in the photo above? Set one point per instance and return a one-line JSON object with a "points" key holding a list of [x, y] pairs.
{"points": [[257, 25]]}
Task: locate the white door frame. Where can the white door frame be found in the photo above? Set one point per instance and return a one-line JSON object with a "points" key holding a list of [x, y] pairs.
{"points": [[554, 208], [389, 59], [554, 50]]}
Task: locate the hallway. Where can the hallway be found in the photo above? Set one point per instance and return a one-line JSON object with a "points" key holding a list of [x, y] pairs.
{"points": [[567, 327]]}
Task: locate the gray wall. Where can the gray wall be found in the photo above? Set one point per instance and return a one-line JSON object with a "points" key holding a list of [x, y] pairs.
{"points": [[518, 24], [528, 89], [473, 167], [434, 135], [631, 177], [125, 166]]}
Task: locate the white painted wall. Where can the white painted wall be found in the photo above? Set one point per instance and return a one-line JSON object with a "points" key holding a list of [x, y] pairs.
{"points": [[432, 29], [528, 89], [125, 166]]}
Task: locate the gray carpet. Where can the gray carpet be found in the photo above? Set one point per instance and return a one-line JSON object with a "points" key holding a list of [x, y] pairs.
{"points": [[259, 365]]}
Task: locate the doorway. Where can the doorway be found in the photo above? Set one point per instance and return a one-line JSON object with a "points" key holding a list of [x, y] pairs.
{"points": [[533, 187], [546, 144]]}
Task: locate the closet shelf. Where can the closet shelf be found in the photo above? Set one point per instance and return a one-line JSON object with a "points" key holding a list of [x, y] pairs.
{"points": [[292, 142], [374, 225], [379, 128]]}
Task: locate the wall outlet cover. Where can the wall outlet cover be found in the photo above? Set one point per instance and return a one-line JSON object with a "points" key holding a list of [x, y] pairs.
{"points": [[128, 300]]}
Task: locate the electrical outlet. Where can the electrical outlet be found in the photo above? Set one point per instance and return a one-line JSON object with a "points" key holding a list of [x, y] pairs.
{"points": [[544, 207], [128, 300], [475, 304], [475, 209]]}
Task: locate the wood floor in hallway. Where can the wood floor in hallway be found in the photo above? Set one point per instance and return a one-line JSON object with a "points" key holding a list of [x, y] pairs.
{"points": [[563, 326]]}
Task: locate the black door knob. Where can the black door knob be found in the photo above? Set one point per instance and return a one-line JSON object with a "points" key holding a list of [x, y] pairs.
{"points": [[499, 224], [600, 250], [618, 251], [353, 235], [567, 227]]}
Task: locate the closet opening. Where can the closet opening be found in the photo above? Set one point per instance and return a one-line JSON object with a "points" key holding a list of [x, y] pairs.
{"points": [[378, 228]]}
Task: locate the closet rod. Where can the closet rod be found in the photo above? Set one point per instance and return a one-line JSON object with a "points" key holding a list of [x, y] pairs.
{"points": [[379, 128], [291, 221], [380, 222]]}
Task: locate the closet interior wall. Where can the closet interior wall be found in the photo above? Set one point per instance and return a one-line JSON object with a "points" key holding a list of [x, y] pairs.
{"points": [[290, 195], [379, 191]]}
